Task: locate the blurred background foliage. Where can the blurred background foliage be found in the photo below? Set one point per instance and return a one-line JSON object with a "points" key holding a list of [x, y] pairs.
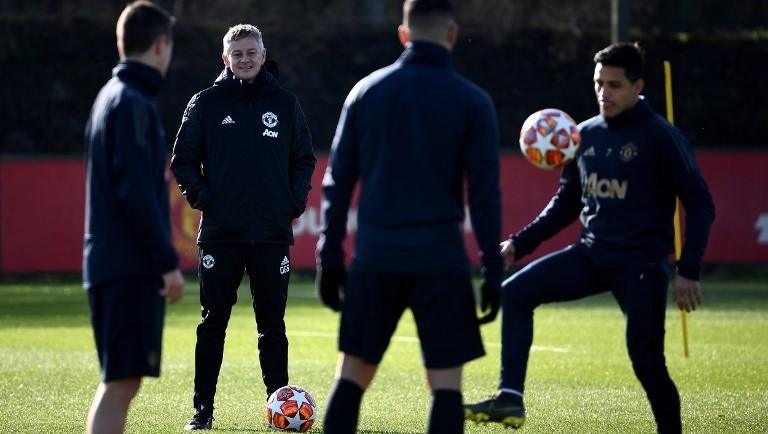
{"points": [[528, 55]]}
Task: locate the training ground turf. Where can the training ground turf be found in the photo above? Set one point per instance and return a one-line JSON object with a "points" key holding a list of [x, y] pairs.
{"points": [[580, 379]]}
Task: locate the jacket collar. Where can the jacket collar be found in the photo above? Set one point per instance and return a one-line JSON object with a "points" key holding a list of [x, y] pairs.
{"points": [[229, 81], [426, 53], [637, 112], [146, 78]]}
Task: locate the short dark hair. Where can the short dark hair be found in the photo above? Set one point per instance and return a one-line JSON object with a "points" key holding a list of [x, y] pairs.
{"points": [[425, 13], [140, 24], [240, 31], [625, 55]]}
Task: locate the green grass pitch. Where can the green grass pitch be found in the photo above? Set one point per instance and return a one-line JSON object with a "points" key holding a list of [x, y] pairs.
{"points": [[580, 379]]}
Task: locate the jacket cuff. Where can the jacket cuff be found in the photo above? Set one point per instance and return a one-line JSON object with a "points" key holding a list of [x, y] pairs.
{"points": [[298, 207], [689, 271], [329, 256], [519, 245], [165, 260]]}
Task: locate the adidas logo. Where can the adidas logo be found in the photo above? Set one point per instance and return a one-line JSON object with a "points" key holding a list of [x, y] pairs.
{"points": [[590, 152], [227, 120], [285, 266]]}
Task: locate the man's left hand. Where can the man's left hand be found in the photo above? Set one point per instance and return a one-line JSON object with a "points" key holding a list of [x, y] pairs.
{"points": [[687, 293]]}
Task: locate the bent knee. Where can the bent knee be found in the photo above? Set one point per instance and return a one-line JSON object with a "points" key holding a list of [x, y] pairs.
{"points": [[517, 294]]}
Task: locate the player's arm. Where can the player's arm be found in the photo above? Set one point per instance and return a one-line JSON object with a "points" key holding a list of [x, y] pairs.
{"points": [[693, 192], [481, 158], [133, 159], [691, 188], [562, 210], [302, 162], [188, 152], [338, 185]]}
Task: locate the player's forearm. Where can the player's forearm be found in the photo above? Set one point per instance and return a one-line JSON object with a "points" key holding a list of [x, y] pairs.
{"points": [[697, 226], [335, 210], [699, 215], [561, 211]]}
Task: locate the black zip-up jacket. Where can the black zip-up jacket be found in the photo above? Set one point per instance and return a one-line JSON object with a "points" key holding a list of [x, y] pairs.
{"points": [[623, 186], [413, 133], [243, 156], [127, 216]]}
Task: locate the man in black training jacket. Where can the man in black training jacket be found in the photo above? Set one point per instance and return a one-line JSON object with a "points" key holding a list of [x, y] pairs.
{"points": [[243, 156]]}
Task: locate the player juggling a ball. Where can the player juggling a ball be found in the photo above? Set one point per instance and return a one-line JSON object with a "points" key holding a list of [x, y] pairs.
{"points": [[630, 166]]}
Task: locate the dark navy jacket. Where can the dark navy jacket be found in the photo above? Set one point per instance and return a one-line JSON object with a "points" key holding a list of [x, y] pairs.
{"points": [[127, 218], [623, 186], [413, 133], [243, 155]]}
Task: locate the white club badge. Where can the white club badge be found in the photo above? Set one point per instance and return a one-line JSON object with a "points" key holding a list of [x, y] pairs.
{"points": [[269, 119], [208, 261]]}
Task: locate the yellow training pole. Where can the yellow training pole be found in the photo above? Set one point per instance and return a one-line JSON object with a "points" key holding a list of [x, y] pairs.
{"points": [[678, 233]]}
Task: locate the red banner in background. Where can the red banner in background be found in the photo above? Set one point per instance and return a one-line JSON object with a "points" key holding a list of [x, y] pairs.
{"points": [[41, 216], [41, 212]]}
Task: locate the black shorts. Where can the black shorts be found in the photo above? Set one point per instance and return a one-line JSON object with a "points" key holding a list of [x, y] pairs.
{"points": [[127, 318], [443, 307]]}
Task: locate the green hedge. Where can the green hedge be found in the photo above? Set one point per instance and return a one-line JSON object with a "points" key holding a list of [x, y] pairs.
{"points": [[52, 70]]}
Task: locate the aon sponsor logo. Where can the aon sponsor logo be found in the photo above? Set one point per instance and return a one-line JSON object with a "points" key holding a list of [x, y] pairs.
{"points": [[269, 133], [606, 188]]}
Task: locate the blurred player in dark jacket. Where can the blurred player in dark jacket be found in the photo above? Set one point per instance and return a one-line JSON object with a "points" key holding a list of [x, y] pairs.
{"points": [[243, 156], [631, 166], [412, 133], [129, 263]]}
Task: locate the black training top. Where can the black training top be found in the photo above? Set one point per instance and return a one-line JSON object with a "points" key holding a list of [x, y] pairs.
{"points": [[413, 133], [243, 155], [127, 217], [623, 185]]}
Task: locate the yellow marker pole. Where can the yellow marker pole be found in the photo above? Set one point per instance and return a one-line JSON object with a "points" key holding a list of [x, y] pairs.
{"points": [[678, 233]]}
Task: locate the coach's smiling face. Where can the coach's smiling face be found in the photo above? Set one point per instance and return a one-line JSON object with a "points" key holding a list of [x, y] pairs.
{"points": [[244, 57]]}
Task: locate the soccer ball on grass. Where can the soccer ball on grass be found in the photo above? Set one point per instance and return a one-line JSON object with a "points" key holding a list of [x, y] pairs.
{"points": [[291, 408], [549, 138]]}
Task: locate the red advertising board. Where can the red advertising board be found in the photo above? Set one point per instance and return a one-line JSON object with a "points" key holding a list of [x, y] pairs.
{"points": [[41, 212], [41, 216]]}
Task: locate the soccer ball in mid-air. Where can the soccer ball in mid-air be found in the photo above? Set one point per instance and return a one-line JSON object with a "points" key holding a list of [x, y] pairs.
{"points": [[549, 138], [291, 408]]}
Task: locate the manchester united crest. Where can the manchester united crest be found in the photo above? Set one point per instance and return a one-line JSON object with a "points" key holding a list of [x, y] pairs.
{"points": [[628, 152]]}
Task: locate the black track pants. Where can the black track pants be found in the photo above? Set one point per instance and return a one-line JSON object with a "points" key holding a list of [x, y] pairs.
{"points": [[221, 269]]}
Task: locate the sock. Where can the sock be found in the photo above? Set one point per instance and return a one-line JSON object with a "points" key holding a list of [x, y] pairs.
{"points": [[504, 390], [343, 408], [446, 415]]}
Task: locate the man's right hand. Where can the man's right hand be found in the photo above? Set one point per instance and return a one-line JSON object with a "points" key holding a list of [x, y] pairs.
{"points": [[507, 252], [490, 302], [173, 286], [330, 283]]}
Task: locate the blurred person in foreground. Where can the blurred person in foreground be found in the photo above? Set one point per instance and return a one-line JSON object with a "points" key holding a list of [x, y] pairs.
{"points": [[630, 167], [129, 263], [412, 133], [243, 156]]}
